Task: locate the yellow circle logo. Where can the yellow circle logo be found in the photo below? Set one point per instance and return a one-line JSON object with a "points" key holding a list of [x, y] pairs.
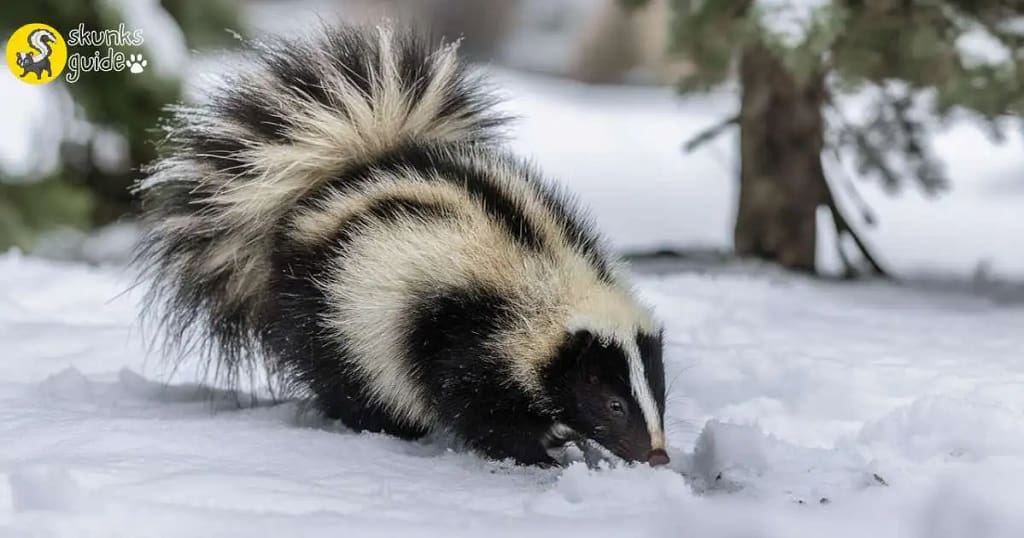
{"points": [[36, 53]]}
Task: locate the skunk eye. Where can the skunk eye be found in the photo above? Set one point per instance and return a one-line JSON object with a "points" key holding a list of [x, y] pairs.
{"points": [[616, 406]]}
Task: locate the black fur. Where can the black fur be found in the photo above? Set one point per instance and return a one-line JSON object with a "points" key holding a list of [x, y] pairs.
{"points": [[469, 381], [28, 65], [454, 163], [312, 362], [356, 56], [441, 161], [586, 375]]}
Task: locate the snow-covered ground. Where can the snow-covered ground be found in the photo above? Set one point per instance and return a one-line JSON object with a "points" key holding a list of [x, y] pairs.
{"points": [[797, 408]]}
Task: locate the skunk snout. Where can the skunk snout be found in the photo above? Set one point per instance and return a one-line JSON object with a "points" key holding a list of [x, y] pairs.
{"points": [[658, 457]]}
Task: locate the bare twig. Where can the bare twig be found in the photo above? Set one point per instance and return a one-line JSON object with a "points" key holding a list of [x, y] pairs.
{"points": [[710, 133], [850, 188], [843, 227]]}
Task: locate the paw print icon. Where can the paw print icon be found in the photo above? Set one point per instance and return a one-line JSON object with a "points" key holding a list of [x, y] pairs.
{"points": [[136, 64]]}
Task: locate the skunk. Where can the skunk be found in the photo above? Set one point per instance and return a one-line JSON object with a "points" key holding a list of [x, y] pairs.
{"points": [[39, 61], [338, 211]]}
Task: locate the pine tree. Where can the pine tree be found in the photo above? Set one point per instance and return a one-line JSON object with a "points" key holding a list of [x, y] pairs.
{"points": [[918, 61]]}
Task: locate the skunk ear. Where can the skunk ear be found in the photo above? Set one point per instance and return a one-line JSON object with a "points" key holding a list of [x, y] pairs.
{"points": [[572, 356], [583, 341], [576, 346]]}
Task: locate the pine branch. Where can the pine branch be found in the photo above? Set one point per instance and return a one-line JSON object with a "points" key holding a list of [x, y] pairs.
{"points": [[710, 133], [872, 155], [841, 222], [843, 227], [851, 188], [904, 136]]}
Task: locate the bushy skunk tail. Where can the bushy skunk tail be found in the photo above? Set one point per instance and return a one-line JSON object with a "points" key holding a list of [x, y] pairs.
{"points": [[295, 113]]}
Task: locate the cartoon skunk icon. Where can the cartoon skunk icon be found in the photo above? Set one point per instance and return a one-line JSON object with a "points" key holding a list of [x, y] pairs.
{"points": [[338, 212], [40, 40]]}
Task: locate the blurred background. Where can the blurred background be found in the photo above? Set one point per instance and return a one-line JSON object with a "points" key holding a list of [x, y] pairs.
{"points": [[844, 138]]}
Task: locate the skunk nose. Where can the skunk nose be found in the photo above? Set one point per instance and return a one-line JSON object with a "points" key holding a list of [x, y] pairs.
{"points": [[657, 457]]}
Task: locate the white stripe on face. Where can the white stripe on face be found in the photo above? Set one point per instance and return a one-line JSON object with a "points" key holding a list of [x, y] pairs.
{"points": [[642, 393]]}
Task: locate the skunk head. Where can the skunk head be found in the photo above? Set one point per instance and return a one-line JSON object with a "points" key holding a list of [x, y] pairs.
{"points": [[611, 391]]}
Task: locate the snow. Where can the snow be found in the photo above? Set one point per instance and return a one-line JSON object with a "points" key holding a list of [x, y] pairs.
{"points": [[620, 151], [21, 144], [1013, 25], [796, 408], [113, 243], [789, 20], [978, 46]]}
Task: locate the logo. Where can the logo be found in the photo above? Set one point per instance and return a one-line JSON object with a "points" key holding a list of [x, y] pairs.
{"points": [[107, 55], [36, 53]]}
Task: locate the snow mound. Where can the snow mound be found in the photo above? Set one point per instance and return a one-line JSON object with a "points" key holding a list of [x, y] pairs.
{"points": [[43, 487]]}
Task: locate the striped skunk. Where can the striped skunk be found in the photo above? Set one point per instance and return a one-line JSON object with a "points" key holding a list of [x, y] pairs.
{"points": [[39, 61], [338, 212]]}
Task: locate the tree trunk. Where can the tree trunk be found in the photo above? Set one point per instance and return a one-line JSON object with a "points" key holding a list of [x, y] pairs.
{"points": [[782, 182]]}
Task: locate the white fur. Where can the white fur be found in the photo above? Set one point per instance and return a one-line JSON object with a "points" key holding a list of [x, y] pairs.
{"points": [[642, 393], [36, 40]]}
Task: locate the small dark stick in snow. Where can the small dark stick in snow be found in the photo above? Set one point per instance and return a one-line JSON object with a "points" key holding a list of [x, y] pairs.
{"points": [[338, 213]]}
